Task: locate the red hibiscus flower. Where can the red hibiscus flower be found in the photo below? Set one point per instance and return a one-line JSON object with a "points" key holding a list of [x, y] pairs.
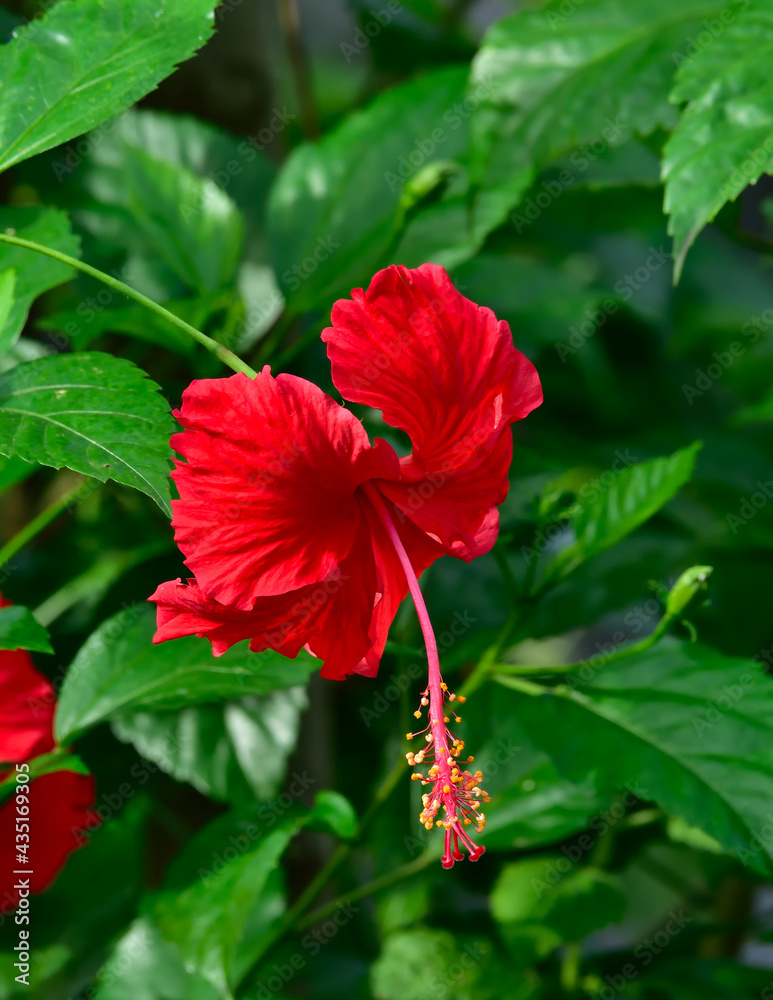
{"points": [[43, 822], [301, 533]]}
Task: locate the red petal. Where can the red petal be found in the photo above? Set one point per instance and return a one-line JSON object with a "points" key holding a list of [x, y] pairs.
{"points": [[393, 587], [59, 818], [445, 371], [331, 616], [26, 709], [267, 495], [344, 619]]}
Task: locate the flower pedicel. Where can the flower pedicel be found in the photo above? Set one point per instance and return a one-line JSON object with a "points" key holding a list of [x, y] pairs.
{"points": [[301, 533]]}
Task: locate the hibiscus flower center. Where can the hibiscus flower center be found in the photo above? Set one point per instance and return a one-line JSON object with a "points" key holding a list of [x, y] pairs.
{"points": [[454, 799]]}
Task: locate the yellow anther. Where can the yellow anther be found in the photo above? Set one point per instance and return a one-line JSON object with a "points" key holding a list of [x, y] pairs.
{"points": [[417, 714], [409, 736], [470, 760], [446, 719], [462, 698], [446, 789], [443, 686]]}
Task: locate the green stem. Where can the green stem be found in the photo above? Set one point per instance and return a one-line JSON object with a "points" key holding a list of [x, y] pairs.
{"points": [[341, 853], [516, 684], [570, 967], [535, 670], [508, 577], [290, 21], [220, 352], [487, 662], [95, 580], [37, 524], [396, 875], [316, 885]]}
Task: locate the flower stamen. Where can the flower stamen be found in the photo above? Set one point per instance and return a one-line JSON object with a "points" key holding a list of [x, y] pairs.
{"points": [[454, 790]]}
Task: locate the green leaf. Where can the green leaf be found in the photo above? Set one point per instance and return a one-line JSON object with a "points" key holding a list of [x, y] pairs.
{"points": [[335, 208], [19, 630], [453, 229], [92, 59], [724, 140], [531, 803], [82, 326], [453, 966], [189, 221], [680, 724], [91, 413], [12, 471], [119, 670], [411, 959], [335, 814], [570, 901], [629, 164], [7, 286], [34, 273], [143, 966], [539, 300], [221, 903], [594, 71], [605, 514], [234, 752], [192, 149]]}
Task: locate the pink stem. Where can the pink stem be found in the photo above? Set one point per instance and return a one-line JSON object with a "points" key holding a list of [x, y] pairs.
{"points": [[437, 725]]}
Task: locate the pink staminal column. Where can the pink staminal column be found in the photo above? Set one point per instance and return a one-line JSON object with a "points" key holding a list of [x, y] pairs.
{"points": [[454, 795]]}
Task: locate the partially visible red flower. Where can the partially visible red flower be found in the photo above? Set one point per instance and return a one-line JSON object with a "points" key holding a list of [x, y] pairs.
{"points": [[58, 803], [299, 531]]}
